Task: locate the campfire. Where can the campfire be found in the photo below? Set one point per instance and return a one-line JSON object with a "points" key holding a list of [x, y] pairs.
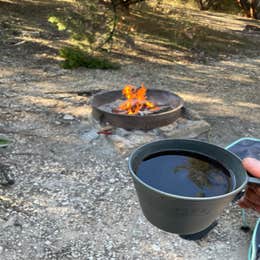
{"points": [[136, 102], [136, 108]]}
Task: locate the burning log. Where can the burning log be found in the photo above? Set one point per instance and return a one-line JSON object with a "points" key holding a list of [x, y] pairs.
{"points": [[118, 111], [145, 112], [136, 101]]}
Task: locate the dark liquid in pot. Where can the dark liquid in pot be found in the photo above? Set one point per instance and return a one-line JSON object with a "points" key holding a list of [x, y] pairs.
{"points": [[185, 174]]}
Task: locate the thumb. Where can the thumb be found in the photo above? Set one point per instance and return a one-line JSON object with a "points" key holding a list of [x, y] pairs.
{"points": [[252, 165]]}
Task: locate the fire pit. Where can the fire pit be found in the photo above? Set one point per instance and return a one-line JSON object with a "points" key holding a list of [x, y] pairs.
{"points": [[156, 108]]}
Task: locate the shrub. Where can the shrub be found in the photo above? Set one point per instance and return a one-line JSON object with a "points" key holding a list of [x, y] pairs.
{"points": [[74, 58]]}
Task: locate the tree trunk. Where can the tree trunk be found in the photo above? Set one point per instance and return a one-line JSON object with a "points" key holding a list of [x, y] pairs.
{"points": [[253, 4], [249, 7], [206, 4], [201, 5], [125, 4]]}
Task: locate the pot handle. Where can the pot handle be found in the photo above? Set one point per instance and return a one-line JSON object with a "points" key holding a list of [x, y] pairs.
{"points": [[249, 180], [254, 180]]}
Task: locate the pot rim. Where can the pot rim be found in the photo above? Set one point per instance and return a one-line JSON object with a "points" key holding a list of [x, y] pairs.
{"points": [[233, 192]]}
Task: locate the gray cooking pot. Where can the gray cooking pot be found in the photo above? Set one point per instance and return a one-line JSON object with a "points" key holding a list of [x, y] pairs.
{"points": [[179, 214]]}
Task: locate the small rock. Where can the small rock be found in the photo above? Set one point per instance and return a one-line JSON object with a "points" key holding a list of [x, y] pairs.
{"points": [[122, 132], [169, 127], [1, 250], [68, 117], [12, 221], [112, 181], [156, 248], [188, 129], [64, 203], [75, 254], [90, 136], [122, 144], [6, 175]]}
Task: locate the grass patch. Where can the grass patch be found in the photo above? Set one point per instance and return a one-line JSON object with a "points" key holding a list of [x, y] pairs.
{"points": [[75, 58]]}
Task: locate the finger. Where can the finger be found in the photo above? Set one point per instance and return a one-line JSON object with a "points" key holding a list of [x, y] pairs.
{"points": [[244, 203], [257, 190], [252, 165], [255, 187], [252, 196]]}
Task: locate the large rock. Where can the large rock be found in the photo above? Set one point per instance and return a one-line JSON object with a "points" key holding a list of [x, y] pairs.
{"points": [[190, 125]]}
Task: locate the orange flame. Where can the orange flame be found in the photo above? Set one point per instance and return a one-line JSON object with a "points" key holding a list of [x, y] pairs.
{"points": [[136, 100]]}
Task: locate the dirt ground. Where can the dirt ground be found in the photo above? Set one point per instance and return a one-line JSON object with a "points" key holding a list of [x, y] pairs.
{"points": [[75, 200]]}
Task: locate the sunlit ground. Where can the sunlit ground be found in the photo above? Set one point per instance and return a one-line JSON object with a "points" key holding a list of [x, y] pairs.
{"points": [[160, 34], [172, 40]]}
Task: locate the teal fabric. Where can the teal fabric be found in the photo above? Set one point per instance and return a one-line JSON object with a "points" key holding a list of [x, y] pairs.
{"points": [[249, 147], [254, 248]]}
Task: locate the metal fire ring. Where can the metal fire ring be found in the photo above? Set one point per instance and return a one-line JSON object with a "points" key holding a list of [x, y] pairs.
{"points": [[130, 122]]}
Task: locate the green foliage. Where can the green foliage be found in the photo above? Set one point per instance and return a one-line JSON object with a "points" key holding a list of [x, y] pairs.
{"points": [[74, 58], [4, 142], [58, 22], [89, 24]]}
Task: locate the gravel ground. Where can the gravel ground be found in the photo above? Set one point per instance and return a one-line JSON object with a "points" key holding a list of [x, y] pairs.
{"points": [[75, 200]]}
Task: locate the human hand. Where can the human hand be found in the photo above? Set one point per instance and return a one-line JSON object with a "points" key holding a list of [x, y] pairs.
{"points": [[251, 198]]}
